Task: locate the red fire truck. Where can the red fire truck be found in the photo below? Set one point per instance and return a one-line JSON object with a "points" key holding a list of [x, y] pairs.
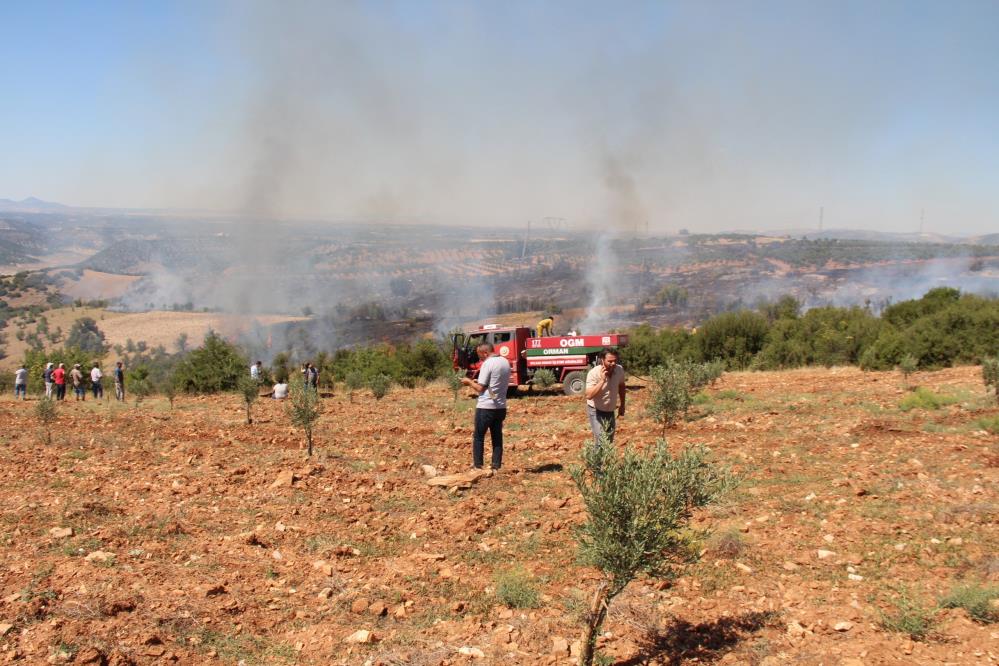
{"points": [[568, 356]]}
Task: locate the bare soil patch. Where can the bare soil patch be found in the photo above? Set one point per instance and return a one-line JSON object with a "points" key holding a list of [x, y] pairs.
{"points": [[198, 538]]}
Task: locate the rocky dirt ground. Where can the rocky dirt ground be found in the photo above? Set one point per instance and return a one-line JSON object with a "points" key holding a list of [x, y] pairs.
{"points": [[147, 535]]}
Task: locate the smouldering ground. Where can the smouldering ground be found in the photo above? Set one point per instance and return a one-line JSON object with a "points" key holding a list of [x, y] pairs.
{"points": [[204, 558]]}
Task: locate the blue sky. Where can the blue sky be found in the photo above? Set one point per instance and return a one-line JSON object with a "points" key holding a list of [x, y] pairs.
{"points": [[704, 115]]}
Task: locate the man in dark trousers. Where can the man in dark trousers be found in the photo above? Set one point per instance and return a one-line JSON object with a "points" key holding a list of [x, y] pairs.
{"points": [[604, 389], [491, 384]]}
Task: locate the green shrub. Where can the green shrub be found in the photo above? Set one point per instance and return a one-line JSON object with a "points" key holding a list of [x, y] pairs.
{"points": [[355, 380], [672, 388], [908, 618], [515, 588], [544, 378], [732, 337], [304, 409], [85, 335], [249, 390], [990, 374], [923, 398], [380, 385], [989, 423], [976, 600], [453, 381], [638, 505], [907, 365], [648, 347], [45, 412], [214, 367]]}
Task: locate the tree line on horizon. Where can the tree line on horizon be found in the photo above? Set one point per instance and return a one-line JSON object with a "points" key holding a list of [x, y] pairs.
{"points": [[942, 328]]}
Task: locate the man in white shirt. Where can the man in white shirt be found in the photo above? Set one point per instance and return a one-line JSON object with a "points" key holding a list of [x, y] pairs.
{"points": [[491, 383], [255, 371], [95, 382], [21, 383], [604, 388], [280, 390]]}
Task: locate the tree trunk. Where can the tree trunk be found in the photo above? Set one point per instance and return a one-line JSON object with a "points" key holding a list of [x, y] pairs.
{"points": [[594, 620], [249, 420], [308, 437]]}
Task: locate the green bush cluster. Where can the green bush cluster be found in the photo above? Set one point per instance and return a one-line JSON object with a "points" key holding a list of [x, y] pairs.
{"points": [[941, 329], [405, 364]]}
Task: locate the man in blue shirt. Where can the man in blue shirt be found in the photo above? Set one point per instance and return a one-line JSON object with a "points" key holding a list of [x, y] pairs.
{"points": [[490, 409]]}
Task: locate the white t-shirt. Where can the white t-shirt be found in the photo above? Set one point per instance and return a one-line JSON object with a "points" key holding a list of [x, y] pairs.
{"points": [[95, 375], [21, 376], [280, 391], [494, 374], [606, 400], [254, 372]]}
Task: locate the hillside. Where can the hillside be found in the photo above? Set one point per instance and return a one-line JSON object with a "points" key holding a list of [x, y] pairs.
{"points": [[144, 534]]}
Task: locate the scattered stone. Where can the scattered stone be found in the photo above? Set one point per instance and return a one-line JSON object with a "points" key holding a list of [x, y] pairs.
{"points": [[61, 532], [560, 646], [790, 566], [829, 538], [326, 593], [743, 568], [955, 541], [285, 479], [795, 629], [463, 480], [6, 628], [851, 661], [359, 606], [845, 625], [429, 471], [99, 556], [360, 636], [824, 554], [378, 609], [214, 590], [855, 577], [473, 652]]}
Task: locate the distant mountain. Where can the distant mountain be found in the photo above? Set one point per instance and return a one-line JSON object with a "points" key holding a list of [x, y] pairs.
{"points": [[988, 239], [30, 205]]}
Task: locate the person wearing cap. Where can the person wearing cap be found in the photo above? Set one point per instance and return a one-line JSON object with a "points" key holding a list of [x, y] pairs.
{"points": [[76, 376], [47, 378]]}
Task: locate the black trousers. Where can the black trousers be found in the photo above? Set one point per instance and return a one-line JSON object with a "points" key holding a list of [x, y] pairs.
{"points": [[491, 420]]}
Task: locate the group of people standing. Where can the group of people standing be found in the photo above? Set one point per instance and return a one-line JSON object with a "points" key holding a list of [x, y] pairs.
{"points": [[55, 377]]}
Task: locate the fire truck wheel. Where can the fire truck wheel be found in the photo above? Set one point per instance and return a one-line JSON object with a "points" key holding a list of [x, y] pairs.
{"points": [[574, 383]]}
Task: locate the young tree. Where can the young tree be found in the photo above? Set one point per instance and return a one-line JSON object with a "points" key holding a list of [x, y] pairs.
{"points": [[85, 335], [544, 378], [907, 365], [990, 374], [45, 412], [672, 389], [169, 389], [453, 380], [637, 506], [249, 389], [354, 380], [304, 409], [380, 385]]}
